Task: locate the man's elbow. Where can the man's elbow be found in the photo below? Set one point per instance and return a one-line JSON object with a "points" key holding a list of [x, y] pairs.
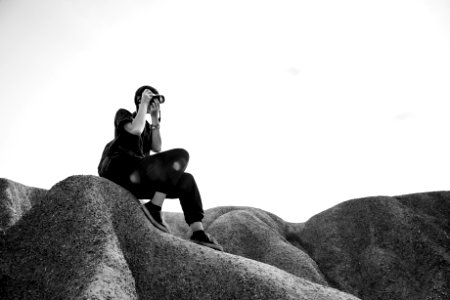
{"points": [[135, 130]]}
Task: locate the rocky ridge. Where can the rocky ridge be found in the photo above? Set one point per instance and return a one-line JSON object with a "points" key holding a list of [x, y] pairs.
{"points": [[87, 238]]}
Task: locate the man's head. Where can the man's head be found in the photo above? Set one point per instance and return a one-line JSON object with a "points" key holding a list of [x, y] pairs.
{"points": [[138, 94]]}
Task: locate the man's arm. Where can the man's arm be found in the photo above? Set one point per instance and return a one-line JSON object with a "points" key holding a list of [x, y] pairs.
{"points": [[156, 135], [137, 126]]}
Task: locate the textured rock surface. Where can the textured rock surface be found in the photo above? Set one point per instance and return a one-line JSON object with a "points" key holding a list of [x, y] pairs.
{"points": [[255, 234], [385, 247], [66, 248], [89, 240], [16, 200]]}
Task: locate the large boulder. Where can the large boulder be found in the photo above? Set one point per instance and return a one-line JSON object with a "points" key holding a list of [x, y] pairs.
{"points": [[385, 247], [66, 247], [89, 239]]}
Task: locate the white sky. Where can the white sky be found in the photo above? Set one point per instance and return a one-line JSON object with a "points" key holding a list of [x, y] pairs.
{"points": [[289, 106]]}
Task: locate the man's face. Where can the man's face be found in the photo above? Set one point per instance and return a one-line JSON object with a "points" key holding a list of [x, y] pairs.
{"points": [[149, 94]]}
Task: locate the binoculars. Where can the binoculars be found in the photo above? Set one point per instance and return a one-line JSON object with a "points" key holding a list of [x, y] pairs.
{"points": [[160, 99]]}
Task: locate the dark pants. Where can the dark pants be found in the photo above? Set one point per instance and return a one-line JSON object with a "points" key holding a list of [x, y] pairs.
{"points": [[165, 172]]}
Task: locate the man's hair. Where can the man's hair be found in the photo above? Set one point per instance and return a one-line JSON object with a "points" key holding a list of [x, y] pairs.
{"points": [[139, 91]]}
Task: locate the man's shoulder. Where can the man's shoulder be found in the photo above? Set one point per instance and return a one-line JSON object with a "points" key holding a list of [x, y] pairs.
{"points": [[122, 116], [123, 111]]}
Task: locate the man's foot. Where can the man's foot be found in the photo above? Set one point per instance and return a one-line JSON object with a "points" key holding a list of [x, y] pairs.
{"points": [[153, 213], [202, 238]]}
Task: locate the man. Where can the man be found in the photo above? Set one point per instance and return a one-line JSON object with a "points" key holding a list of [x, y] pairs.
{"points": [[126, 161]]}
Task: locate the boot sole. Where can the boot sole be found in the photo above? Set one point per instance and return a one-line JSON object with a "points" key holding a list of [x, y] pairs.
{"points": [[213, 246]]}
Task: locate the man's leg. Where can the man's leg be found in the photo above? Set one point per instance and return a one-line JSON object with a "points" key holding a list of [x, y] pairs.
{"points": [[154, 207], [187, 191], [158, 199], [156, 175], [164, 169]]}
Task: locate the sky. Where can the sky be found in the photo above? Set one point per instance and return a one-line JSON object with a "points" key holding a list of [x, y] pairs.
{"points": [[288, 106]]}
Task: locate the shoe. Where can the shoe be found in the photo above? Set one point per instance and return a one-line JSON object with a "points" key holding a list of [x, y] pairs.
{"points": [[155, 218], [202, 238]]}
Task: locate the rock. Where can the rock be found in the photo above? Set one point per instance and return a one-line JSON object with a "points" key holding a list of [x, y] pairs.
{"points": [[16, 200], [385, 247], [255, 234], [87, 238], [90, 240], [66, 248]]}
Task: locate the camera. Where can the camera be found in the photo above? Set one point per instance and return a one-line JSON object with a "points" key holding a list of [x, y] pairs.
{"points": [[160, 99]]}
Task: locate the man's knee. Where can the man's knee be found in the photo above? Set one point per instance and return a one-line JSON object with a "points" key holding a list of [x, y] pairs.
{"points": [[177, 165], [181, 161], [135, 177], [182, 154]]}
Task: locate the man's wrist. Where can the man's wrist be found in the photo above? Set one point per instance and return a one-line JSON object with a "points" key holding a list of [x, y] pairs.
{"points": [[155, 120]]}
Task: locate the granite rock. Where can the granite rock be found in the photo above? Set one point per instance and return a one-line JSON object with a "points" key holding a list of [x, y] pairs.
{"points": [[89, 239]]}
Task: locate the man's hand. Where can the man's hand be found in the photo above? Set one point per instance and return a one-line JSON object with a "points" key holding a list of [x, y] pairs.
{"points": [[153, 109], [146, 96]]}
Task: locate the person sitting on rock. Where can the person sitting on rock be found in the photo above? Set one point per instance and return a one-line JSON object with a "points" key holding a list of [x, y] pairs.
{"points": [[126, 160]]}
